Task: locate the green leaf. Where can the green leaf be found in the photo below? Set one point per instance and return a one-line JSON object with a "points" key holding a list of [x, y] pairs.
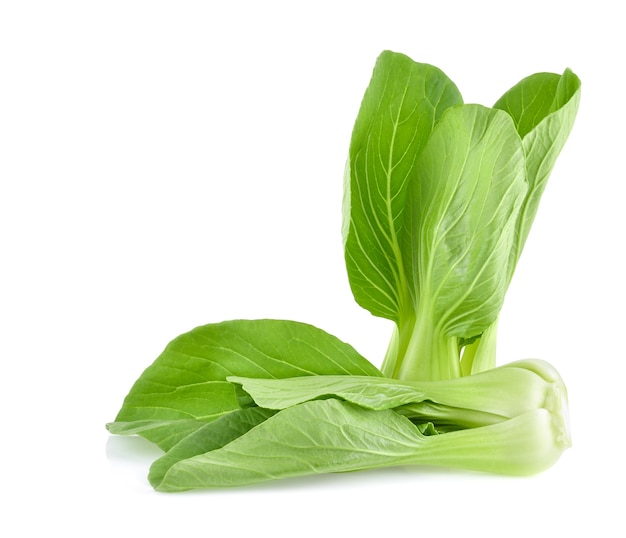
{"points": [[530, 100], [315, 437], [374, 393], [464, 206], [332, 436], [478, 400], [543, 107], [164, 433], [402, 103], [209, 436], [187, 382]]}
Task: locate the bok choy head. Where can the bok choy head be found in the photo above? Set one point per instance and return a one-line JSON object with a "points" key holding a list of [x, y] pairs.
{"points": [[439, 199]]}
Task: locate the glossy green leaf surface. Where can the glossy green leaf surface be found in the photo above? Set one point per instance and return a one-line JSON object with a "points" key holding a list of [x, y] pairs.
{"points": [[315, 437], [187, 382], [210, 436], [164, 433], [402, 103], [543, 107], [333, 436], [464, 206], [497, 394]]}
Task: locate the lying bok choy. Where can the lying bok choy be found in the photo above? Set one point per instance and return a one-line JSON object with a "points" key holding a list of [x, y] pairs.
{"points": [[439, 200], [346, 423]]}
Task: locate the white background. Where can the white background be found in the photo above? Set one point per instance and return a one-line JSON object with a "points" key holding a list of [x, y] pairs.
{"points": [[169, 164]]}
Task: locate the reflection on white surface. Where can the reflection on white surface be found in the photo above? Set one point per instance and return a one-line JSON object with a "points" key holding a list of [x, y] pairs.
{"points": [[131, 450], [130, 458]]}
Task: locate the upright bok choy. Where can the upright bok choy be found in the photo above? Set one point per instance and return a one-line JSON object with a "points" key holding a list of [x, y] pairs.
{"points": [[440, 196], [439, 200]]}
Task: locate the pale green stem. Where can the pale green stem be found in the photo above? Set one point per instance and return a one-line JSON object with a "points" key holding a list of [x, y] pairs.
{"points": [[480, 355], [391, 356], [524, 445], [398, 344], [430, 354]]}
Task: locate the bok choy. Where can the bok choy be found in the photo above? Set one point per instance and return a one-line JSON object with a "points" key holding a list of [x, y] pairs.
{"points": [[439, 198]]}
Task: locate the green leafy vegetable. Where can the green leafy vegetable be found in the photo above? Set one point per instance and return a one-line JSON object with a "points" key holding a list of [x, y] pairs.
{"points": [[400, 108], [460, 228], [543, 107], [486, 398], [208, 437], [439, 200], [186, 386], [333, 436]]}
